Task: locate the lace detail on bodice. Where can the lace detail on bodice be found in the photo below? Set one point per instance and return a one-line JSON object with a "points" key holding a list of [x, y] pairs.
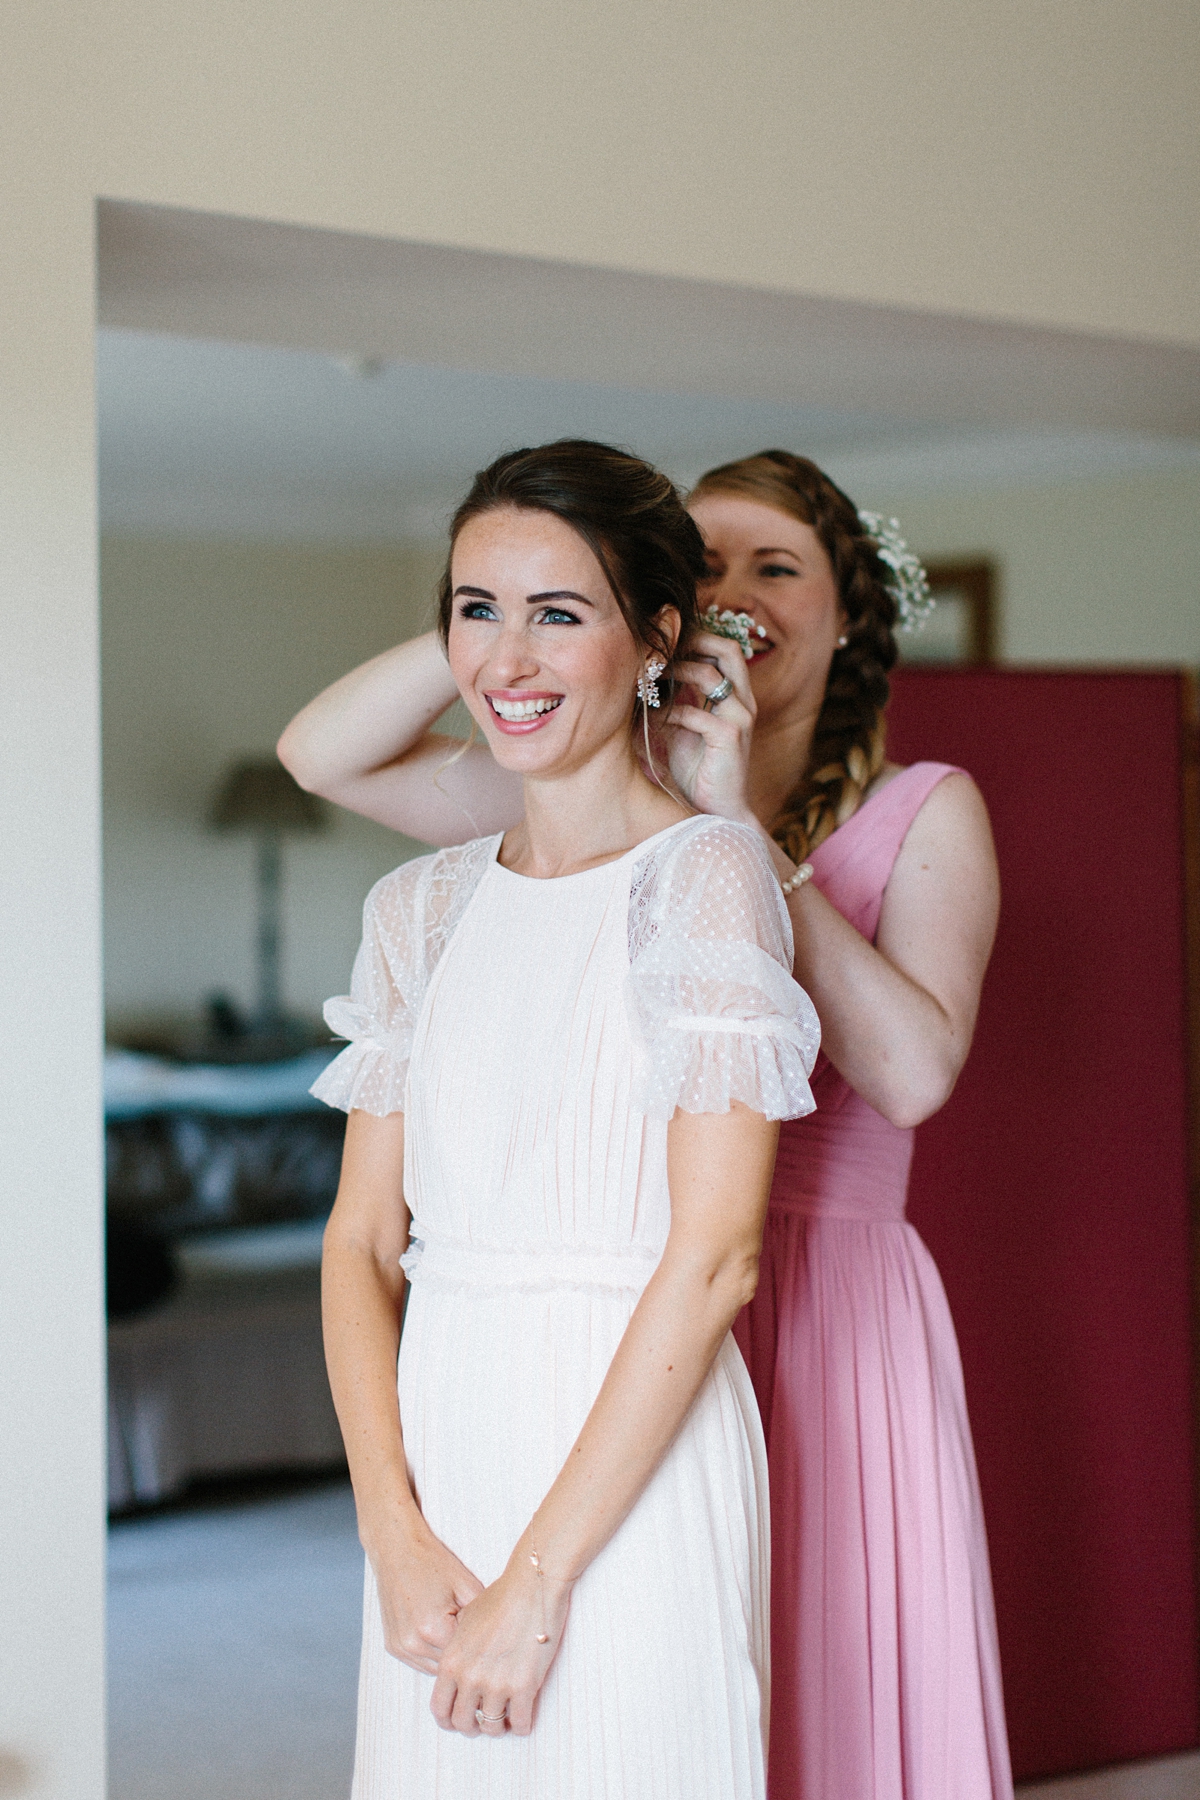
{"points": [[408, 920], [717, 1016], [454, 874], [643, 892]]}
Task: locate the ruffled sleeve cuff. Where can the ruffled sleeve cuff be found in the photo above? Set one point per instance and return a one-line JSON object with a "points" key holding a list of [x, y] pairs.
{"points": [[706, 1065], [371, 1072]]}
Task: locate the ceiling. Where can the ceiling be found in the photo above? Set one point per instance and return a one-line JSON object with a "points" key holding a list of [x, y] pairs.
{"points": [[266, 381], [254, 442]]}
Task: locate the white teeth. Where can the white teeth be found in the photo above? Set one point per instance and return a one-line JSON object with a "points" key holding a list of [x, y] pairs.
{"points": [[515, 712]]}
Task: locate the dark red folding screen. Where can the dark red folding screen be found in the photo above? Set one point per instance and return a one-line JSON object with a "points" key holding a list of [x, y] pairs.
{"points": [[1053, 1191]]}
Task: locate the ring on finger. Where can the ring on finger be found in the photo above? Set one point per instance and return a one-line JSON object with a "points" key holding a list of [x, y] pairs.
{"points": [[482, 1718], [721, 692]]}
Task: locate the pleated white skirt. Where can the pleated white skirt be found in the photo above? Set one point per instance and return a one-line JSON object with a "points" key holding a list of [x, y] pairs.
{"points": [[660, 1688]]}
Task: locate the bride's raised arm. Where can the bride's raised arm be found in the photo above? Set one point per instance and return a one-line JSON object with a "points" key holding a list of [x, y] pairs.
{"points": [[365, 743]]}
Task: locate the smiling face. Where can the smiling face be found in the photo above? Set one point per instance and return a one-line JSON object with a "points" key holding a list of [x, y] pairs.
{"points": [[538, 645], [774, 567]]}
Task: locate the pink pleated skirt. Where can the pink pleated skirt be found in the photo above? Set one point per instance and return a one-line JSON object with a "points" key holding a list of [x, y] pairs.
{"points": [[885, 1665]]}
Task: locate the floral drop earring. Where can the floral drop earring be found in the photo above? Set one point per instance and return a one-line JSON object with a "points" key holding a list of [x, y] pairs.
{"points": [[647, 688]]}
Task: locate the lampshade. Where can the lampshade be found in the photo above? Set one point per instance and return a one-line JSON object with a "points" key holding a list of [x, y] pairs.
{"points": [[258, 794]]}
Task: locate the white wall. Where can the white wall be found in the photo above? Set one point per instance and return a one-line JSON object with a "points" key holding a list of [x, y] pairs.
{"points": [[1090, 571], [207, 650]]}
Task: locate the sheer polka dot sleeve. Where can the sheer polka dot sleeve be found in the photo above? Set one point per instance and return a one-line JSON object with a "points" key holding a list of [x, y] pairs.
{"points": [[716, 1014], [379, 1013]]}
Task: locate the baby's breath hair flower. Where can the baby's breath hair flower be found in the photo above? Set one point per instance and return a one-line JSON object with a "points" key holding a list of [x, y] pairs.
{"points": [[736, 625], [909, 585]]}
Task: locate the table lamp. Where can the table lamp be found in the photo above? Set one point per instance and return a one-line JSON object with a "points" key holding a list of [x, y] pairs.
{"points": [[258, 795]]}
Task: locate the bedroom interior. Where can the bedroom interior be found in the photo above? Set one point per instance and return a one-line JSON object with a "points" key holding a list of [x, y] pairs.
{"points": [[269, 516], [1012, 317]]}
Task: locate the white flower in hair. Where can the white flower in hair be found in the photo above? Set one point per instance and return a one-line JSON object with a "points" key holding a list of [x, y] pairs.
{"points": [[909, 586]]}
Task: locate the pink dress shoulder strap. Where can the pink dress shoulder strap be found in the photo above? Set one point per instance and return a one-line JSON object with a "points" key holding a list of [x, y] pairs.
{"points": [[852, 866]]}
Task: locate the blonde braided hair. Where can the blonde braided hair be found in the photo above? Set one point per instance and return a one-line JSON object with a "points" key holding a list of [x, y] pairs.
{"points": [[849, 741]]}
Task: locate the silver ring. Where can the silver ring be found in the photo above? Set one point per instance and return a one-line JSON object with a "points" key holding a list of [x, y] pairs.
{"points": [[482, 1718], [721, 692]]}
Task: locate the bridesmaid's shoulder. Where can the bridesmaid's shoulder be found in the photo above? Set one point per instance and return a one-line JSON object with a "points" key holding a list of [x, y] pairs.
{"points": [[953, 808], [956, 784]]}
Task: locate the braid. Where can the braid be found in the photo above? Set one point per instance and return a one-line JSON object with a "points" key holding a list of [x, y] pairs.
{"points": [[848, 743]]}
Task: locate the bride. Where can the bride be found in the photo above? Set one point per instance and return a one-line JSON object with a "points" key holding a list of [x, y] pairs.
{"points": [[570, 1047]]}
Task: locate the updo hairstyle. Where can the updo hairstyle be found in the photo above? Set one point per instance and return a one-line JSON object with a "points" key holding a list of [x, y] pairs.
{"points": [[627, 513], [848, 743]]}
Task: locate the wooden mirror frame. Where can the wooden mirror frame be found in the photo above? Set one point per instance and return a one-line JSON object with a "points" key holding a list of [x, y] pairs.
{"points": [[977, 579]]}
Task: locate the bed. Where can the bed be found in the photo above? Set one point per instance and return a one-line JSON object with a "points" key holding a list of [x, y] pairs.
{"points": [[217, 1369]]}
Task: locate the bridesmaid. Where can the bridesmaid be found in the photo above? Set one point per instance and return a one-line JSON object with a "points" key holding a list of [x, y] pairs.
{"points": [[886, 1677], [886, 1670]]}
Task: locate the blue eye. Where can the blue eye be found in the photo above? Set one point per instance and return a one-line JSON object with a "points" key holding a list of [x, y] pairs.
{"points": [[476, 609], [558, 615]]}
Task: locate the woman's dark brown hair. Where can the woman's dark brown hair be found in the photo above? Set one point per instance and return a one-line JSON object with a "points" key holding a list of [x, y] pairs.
{"points": [[848, 743], [628, 513]]}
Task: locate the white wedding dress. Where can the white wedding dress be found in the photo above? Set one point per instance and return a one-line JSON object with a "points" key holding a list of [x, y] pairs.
{"points": [[538, 1035]]}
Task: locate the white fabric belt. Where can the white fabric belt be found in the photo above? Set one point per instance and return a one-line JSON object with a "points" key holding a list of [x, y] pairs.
{"points": [[443, 1263], [768, 1027]]}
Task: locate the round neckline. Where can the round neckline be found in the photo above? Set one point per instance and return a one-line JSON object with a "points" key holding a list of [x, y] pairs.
{"points": [[600, 868]]}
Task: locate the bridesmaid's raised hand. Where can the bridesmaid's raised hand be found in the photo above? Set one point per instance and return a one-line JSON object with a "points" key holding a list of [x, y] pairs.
{"points": [[710, 750], [423, 1588], [501, 1652]]}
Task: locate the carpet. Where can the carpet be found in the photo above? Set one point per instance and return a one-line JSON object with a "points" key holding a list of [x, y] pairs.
{"points": [[233, 1639]]}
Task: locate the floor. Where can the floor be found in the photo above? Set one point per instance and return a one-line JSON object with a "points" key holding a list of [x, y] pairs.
{"points": [[233, 1656], [233, 1648], [1171, 1778]]}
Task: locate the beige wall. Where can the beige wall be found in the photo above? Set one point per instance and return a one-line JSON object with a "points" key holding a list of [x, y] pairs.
{"points": [[206, 651], [1090, 571], [1026, 162]]}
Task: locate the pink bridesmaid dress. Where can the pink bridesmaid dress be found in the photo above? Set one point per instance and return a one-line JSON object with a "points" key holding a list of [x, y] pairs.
{"points": [[885, 1665]]}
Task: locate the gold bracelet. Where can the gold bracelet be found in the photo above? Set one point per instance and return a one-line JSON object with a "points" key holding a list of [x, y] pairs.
{"points": [[803, 873], [543, 1636]]}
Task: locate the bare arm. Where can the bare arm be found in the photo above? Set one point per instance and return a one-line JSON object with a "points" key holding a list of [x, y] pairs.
{"points": [[365, 743], [720, 1168], [897, 1016], [422, 1585]]}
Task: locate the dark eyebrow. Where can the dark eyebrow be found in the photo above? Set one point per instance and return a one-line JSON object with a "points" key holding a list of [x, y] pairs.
{"points": [[532, 599], [780, 551]]}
